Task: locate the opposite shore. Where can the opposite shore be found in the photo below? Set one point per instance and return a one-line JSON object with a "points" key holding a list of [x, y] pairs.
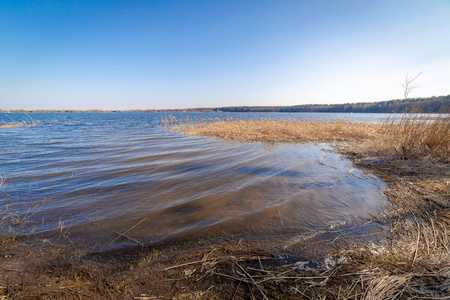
{"points": [[435, 104]]}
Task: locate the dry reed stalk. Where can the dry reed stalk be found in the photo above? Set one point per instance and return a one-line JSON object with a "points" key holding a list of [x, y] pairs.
{"points": [[386, 286], [120, 234], [410, 137]]}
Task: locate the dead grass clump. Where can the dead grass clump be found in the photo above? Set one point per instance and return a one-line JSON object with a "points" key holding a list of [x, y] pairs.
{"points": [[286, 131], [20, 124], [13, 125], [420, 225], [362, 275], [417, 136], [410, 137]]}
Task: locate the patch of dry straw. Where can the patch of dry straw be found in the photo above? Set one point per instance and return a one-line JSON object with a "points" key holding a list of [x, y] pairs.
{"points": [[20, 124], [286, 131], [410, 137]]}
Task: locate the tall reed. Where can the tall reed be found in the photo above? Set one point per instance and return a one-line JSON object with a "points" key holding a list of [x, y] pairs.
{"points": [[415, 136]]}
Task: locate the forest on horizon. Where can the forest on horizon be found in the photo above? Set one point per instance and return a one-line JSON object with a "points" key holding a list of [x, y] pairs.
{"points": [[435, 104]]}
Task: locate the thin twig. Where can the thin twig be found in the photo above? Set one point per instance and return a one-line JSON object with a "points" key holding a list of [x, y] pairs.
{"points": [[417, 243], [187, 264], [115, 231], [70, 287], [251, 278], [128, 230]]}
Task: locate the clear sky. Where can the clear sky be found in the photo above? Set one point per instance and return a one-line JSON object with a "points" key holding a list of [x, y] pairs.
{"points": [[134, 54]]}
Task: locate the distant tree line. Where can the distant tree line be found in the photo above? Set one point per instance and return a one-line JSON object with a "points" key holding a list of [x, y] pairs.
{"points": [[435, 104]]}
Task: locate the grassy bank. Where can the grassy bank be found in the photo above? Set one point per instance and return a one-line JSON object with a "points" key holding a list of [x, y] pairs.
{"points": [[412, 260]]}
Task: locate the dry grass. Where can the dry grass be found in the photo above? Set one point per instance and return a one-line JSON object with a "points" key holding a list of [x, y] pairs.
{"points": [[13, 125], [420, 137], [20, 124], [286, 131], [410, 137]]}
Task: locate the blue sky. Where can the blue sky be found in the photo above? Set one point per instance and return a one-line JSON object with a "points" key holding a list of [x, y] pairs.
{"points": [[178, 54]]}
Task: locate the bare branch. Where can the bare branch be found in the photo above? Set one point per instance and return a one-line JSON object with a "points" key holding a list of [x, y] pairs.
{"points": [[408, 85]]}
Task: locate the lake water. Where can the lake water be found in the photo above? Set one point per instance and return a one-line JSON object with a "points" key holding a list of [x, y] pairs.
{"points": [[89, 175]]}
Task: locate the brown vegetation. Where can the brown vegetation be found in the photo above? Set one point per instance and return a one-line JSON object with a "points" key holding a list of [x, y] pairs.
{"points": [[410, 137], [412, 261], [270, 131], [13, 125], [20, 124]]}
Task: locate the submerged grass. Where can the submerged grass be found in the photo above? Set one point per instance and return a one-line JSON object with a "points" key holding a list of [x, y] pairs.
{"points": [[413, 260], [20, 124], [13, 125]]}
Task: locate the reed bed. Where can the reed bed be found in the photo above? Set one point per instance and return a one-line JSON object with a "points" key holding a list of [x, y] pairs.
{"points": [[417, 136], [271, 131], [408, 137]]}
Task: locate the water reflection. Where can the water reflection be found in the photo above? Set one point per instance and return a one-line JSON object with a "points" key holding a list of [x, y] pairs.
{"points": [[263, 171]]}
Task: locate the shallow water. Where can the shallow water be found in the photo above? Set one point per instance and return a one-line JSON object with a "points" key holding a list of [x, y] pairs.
{"points": [[89, 175]]}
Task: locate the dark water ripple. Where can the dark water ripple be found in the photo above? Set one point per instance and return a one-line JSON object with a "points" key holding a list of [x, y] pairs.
{"points": [[119, 169]]}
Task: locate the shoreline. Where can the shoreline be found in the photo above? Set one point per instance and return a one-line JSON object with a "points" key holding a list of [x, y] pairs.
{"points": [[413, 261], [433, 104]]}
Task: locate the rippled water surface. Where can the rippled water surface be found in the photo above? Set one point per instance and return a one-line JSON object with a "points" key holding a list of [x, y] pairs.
{"points": [[88, 172]]}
